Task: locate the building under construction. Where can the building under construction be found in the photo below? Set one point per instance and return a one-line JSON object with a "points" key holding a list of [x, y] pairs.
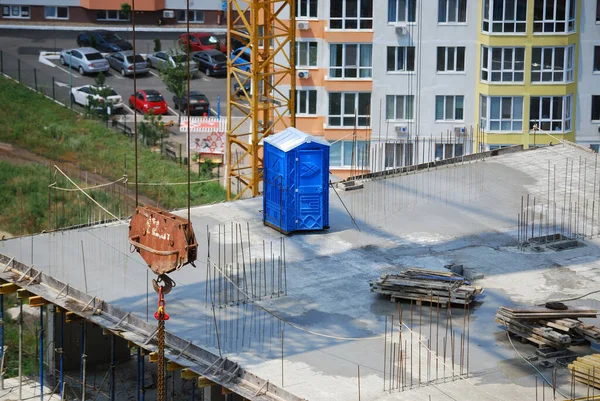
{"points": [[263, 316]]}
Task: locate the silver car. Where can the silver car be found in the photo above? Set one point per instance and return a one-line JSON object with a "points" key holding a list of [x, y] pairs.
{"points": [[85, 59], [160, 60], [123, 62]]}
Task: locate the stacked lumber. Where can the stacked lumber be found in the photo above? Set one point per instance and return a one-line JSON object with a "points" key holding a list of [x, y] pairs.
{"points": [[549, 327], [423, 285], [586, 369]]}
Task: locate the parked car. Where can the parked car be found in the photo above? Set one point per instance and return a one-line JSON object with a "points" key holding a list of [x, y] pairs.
{"points": [[104, 41], [202, 41], [241, 58], [160, 60], [238, 91], [82, 94], [148, 100], [236, 41], [211, 62], [123, 62], [86, 60], [199, 103]]}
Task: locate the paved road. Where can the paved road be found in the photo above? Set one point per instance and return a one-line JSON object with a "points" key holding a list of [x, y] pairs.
{"points": [[27, 45]]}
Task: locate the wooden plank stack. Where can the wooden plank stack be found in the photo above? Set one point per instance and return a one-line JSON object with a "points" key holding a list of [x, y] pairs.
{"points": [[549, 327], [586, 369], [429, 286]]}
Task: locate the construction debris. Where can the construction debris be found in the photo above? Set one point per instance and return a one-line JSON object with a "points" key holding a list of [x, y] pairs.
{"points": [[586, 369], [426, 286], [547, 327]]}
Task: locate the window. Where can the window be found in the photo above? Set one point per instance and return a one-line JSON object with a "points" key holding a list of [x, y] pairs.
{"points": [[452, 11], [306, 54], [554, 16], [402, 10], [597, 10], [501, 113], [351, 14], [550, 113], [349, 154], [450, 59], [56, 12], [398, 154], [306, 8], [111, 15], [194, 15], [400, 59], [350, 61], [552, 64], [504, 16], [502, 64], [496, 147], [348, 109], [448, 150], [596, 108], [597, 58], [449, 108], [399, 107], [15, 11], [306, 102]]}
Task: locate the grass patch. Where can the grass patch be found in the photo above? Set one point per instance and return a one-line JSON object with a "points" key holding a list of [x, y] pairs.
{"points": [[41, 126], [11, 340]]}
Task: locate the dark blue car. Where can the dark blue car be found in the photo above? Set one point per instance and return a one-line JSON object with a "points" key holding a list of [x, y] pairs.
{"points": [[104, 41]]}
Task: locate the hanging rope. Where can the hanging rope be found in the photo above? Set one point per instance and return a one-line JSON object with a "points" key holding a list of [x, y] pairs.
{"points": [[53, 186], [177, 183]]}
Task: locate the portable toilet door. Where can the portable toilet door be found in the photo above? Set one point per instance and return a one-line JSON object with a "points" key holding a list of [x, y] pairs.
{"points": [[313, 192]]}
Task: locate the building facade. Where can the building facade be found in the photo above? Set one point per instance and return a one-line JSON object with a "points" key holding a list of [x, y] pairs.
{"points": [[397, 82], [150, 12]]}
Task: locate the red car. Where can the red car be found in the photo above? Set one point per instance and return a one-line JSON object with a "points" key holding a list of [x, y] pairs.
{"points": [[202, 41], [148, 101]]}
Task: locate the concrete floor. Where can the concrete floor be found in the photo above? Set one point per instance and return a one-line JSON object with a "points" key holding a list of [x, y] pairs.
{"points": [[331, 322]]}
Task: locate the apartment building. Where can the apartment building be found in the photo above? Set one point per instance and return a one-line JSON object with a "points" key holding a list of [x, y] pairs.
{"points": [[151, 12], [440, 78]]}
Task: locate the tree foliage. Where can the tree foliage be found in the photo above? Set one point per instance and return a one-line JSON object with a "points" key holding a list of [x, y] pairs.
{"points": [[98, 106]]}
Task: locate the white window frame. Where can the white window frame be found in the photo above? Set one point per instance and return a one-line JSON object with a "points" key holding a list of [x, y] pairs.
{"points": [[361, 154], [568, 60], [13, 15], [487, 19], [597, 98], [304, 47], [345, 114], [195, 13], [506, 73], [451, 56], [106, 18], [450, 102], [550, 122], [446, 11], [399, 154], [540, 26], [46, 8], [345, 68], [404, 51], [407, 108], [303, 106], [394, 15], [358, 18], [489, 122], [309, 9]]}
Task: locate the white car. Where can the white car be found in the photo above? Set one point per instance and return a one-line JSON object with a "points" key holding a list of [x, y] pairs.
{"points": [[82, 94]]}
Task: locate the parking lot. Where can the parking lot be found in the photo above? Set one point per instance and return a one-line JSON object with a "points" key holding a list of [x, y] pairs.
{"points": [[24, 47]]}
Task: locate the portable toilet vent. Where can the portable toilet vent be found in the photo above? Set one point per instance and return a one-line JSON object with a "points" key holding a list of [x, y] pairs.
{"points": [[296, 182]]}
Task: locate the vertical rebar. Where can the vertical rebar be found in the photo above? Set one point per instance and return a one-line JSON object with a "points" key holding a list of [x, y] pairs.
{"points": [[41, 333], [20, 349], [385, 350]]}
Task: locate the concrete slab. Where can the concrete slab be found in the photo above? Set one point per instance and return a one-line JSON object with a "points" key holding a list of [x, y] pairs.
{"points": [[330, 323]]}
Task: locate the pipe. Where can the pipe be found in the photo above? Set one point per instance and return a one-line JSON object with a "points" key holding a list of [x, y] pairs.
{"points": [[143, 395], [1, 341], [60, 358], [137, 376], [41, 353], [112, 367], [83, 360], [20, 349]]}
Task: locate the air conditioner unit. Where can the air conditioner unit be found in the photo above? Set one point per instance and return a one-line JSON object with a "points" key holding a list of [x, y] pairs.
{"points": [[303, 26], [303, 74], [168, 14], [401, 129], [401, 29], [459, 130]]}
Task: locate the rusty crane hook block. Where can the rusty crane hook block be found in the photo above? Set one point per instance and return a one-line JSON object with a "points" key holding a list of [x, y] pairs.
{"points": [[165, 241]]}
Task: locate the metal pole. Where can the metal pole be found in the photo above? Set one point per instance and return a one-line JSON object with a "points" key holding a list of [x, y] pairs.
{"points": [[143, 390], [2, 341], [41, 353], [53, 94], [83, 361], [19, 69], [20, 349], [60, 357], [35, 78], [112, 367], [71, 80], [1, 62], [137, 375]]}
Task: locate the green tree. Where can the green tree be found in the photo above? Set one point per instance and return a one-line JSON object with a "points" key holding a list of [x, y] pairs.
{"points": [[152, 129], [126, 9], [98, 106], [157, 45], [175, 77]]}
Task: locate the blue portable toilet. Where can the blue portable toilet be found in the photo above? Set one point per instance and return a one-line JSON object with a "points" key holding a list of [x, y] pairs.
{"points": [[296, 181]]}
